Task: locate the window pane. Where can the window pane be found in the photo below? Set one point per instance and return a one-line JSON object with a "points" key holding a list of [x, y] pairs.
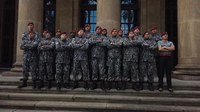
{"points": [[49, 15]]}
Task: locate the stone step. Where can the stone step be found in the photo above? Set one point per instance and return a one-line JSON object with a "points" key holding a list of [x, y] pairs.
{"points": [[176, 87], [123, 99], [94, 107], [128, 92]]}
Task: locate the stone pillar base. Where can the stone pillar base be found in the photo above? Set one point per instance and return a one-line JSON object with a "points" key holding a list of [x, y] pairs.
{"points": [[187, 72], [17, 67]]}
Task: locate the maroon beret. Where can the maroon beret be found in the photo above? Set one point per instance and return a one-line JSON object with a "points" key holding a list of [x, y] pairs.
{"points": [[164, 33]]}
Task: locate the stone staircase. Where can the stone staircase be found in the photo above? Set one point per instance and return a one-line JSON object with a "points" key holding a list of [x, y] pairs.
{"points": [[186, 98]]}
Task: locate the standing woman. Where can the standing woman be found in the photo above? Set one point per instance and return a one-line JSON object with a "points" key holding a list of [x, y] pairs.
{"points": [[165, 48]]}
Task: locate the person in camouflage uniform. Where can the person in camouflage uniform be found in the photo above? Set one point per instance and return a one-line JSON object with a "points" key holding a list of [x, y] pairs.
{"points": [[104, 32], [80, 68], [140, 39], [120, 34], [147, 63], [25, 36], [88, 34], [114, 45], [130, 59], [155, 36], [46, 48], [63, 61], [98, 44], [29, 46]]}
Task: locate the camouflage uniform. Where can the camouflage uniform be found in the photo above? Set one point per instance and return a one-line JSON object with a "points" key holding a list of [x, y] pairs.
{"points": [[88, 35], [130, 60], [114, 45], [62, 60], [80, 59], [147, 61], [30, 58], [46, 48], [98, 44]]}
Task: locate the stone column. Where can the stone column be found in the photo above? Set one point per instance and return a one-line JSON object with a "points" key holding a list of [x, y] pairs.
{"points": [[67, 15], [28, 10], [108, 14], [188, 67]]}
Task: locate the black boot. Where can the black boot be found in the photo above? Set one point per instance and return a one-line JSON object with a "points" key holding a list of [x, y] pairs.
{"points": [[49, 86], [102, 85], [41, 84], [108, 85], [75, 85], [23, 84], [67, 85], [134, 86], [34, 84], [123, 86], [86, 86], [58, 86], [117, 86], [150, 87], [140, 86], [93, 85]]}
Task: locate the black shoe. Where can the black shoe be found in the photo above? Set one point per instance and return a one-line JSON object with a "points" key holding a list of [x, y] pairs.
{"points": [[140, 86], [117, 86], [160, 89], [34, 84], [23, 84], [108, 85], [49, 86], [93, 86], [170, 90], [123, 86], [75, 85], [150, 87], [67, 85], [134, 86], [103, 86], [58, 86], [41, 84], [86, 86]]}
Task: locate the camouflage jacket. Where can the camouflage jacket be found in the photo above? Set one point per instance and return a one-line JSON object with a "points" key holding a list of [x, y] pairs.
{"points": [[30, 49], [46, 48], [148, 50], [98, 44], [63, 51], [114, 45], [80, 46], [130, 50]]}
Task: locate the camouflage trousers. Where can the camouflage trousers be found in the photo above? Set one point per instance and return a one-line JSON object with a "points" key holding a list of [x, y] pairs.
{"points": [[130, 71], [80, 70], [114, 69], [46, 69], [30, 66], [62, 72], [98, 69], [147, 69]]}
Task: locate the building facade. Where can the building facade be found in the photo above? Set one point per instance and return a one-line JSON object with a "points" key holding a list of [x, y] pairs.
{"points": [[180, 18]]}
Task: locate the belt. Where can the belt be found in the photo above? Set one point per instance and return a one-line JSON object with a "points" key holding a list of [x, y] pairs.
{"points": [[165, 55]]}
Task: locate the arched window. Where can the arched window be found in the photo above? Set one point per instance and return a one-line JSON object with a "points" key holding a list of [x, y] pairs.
{"points": [[49, 15], [88, 13], [129, 14]]}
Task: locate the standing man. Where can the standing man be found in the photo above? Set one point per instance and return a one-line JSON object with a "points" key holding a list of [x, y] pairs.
{"points": [[114, 46], [98, 44], [46, 48], [104, 32], [29, 46], [130, 60], [165, 48], [80, 68], [63, 61], [147, 63]]}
